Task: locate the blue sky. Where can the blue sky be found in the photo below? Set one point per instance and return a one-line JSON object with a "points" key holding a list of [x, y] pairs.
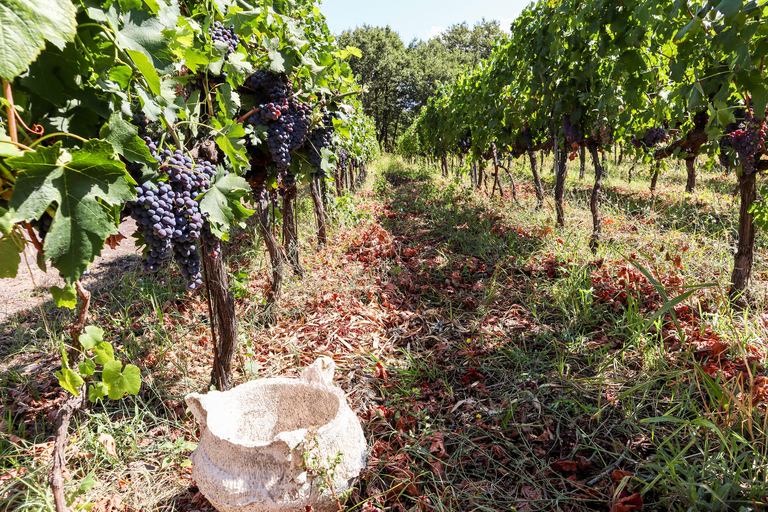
{"points": [[420, 19]]}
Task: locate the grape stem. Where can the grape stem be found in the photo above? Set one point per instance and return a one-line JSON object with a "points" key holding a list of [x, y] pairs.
{"points": [[242, 119], [41, 139], [35, 241], [10, 110]]}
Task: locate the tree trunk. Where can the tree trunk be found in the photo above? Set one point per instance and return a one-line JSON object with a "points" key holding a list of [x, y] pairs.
{"points": [[337, 181], [317, 202], [742, 261], [323, 191], [262, 210], [536, 180], [495, 157], [61, 438], [223, 320], [655, 177], [480, 174], [290, 234], [690, 167], [582, 162], [621, 155], [560, 176], [594, 201], [71, 405]]}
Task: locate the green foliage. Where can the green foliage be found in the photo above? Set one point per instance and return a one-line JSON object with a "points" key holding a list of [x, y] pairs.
{"points": [[25, 26], [222, 204], [400, 79], [115, 381], [81, 186]]}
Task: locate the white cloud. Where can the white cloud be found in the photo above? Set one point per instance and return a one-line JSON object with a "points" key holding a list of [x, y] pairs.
{"points": [[435, 31], [505, 23]]}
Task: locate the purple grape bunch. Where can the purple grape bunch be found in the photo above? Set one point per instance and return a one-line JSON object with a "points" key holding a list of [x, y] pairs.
{"points": [[224, 34], [748, 142], [318, 139], [169, 217], [651, 138], [285, 117], [601, 132], [572, 133]]}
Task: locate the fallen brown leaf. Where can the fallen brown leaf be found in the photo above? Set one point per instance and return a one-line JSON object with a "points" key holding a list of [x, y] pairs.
{"points": [[109, 443]]}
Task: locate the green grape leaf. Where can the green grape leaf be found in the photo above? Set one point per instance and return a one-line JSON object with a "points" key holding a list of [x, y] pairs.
{"points": [[7, 149], [230, 141], [121, 75], [121, 381], [6, 226], [327, 163], [143, 32], [64, 297], [125, 138], [222, 204], [193, 59], [97, 391], [70, 380], [10, 254], [146, 68], [238, 65], [91, 336], [228, 100], [104, 352], [25, 25], [355, 52], [729, 7], [83, 185], [276, 61], [87, 367]]}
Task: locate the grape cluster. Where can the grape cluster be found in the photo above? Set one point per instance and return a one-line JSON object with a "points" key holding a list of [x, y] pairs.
{"points": [[286, 118], [651, 138], [465, 143], [42, 225], [195, 83], [211, 241], [169, 217], [572, 133], [343, 155], [748, 142], [528, 137], [268, 87], [318, 139], [220, 32], [601, 132], [140, 121]]}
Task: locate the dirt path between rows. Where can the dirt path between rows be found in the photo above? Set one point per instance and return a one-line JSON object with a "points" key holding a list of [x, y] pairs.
{"points": [[18, 294]]}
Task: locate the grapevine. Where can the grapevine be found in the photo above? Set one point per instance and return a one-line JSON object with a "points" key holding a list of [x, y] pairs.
{"points": [[748, 142], [169, 217]]}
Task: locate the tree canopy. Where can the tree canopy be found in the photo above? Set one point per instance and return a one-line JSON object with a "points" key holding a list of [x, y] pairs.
{"points": [[399, 78]]}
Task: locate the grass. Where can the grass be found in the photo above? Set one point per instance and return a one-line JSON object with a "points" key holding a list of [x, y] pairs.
{"points": [[495, 362]]}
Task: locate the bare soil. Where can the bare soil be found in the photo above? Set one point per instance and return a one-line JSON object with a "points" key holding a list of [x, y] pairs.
{"points": [[30, 287]]}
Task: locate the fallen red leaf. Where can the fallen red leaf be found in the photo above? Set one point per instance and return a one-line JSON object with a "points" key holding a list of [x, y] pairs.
{"points": [[565, 465], [381, 372], [617, 475], [437, 448], [631, 503]]}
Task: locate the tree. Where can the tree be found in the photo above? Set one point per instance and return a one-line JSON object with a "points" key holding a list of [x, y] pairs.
{"points": [[470, 46], [381, 70]]}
